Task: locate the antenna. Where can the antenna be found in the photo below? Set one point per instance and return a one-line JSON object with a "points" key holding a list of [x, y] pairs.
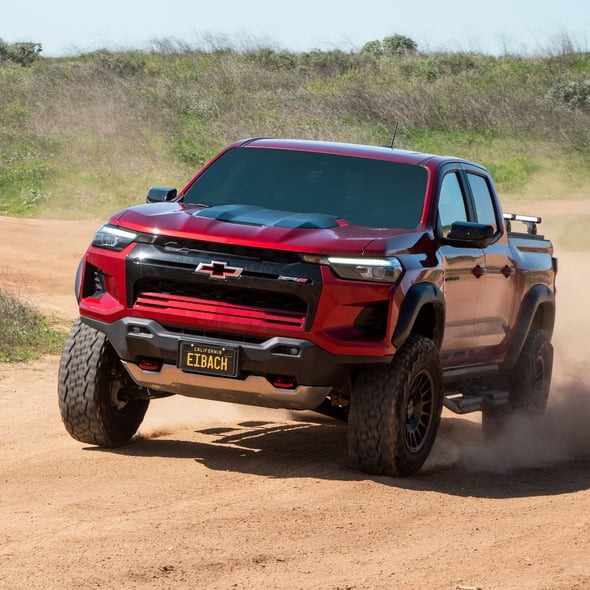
{"points": [[393, 136]]}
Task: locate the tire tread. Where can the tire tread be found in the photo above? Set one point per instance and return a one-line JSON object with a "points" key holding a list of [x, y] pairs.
{"points": [[82, 378]]}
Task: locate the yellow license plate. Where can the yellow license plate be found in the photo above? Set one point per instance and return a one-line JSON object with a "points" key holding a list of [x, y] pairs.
{"points": [[208, 359]]}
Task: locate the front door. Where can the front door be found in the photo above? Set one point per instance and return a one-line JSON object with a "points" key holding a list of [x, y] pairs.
{"points": [[464, 270]]}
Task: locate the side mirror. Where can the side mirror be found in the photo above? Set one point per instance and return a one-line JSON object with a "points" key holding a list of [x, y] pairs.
{"points": [[465, 234], [160, 194]]}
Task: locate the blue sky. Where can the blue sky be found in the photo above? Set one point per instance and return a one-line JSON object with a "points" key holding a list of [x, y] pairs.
{"points": [[73, 26]]}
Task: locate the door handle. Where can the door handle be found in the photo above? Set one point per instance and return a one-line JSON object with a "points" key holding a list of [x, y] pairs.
{"points": [[508, 271], [478, 271]]}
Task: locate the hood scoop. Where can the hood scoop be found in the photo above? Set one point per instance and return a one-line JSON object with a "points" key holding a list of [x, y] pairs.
{"points": [[252, 215]]}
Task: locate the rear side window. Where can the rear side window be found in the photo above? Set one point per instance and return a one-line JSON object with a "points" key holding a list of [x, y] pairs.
{"points": [[483, 201], [451, 204]]}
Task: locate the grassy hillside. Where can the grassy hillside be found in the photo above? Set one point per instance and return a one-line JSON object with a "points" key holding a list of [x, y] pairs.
{"points": [[86, 135]]}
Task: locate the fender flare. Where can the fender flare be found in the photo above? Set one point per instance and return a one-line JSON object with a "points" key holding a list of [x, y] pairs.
{"points": [[78, 280], [416, 298], [537, 295]]}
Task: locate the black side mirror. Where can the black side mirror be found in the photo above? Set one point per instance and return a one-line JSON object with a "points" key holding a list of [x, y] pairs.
{"points": [[160, 194], [465, 234]]}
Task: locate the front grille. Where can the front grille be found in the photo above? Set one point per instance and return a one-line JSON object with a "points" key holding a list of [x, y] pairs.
{"points": [[266, 294], [222, 293], [229, 313], [195, 247]]}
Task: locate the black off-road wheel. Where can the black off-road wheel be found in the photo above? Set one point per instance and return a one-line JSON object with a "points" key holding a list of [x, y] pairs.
{"points": [[395, 411], [95, 391], [528, 385]]}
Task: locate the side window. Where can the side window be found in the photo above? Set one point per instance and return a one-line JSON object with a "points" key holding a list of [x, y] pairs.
{"points": [[484, 204], [451, 203]]}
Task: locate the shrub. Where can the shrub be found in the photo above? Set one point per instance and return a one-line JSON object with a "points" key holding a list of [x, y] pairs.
{"points": [[23, 54], [34, 197], [121, 63], [24, 333], [273, 60], [327, 63], [399, 45], [394, 45], [572, 93], [374, 48]]}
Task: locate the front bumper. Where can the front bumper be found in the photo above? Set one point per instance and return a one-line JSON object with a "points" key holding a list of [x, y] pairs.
{"points": [[253, 390], [313, 370]]}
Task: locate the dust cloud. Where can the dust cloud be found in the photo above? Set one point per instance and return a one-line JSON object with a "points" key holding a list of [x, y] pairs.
{"points": [[170, 415], [563, 432]]}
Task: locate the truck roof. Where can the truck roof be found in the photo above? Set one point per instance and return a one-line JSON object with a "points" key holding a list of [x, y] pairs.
{"points": [[352, 149]]}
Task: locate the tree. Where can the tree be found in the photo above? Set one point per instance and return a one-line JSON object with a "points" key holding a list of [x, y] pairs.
{"points": [[399, 45], [24, 53]]}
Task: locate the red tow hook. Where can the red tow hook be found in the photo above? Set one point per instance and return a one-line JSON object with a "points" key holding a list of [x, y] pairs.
{"points": [[150, 365], [283, 382]]}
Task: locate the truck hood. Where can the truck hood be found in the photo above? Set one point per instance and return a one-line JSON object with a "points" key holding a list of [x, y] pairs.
{"points": [[265, 228]]}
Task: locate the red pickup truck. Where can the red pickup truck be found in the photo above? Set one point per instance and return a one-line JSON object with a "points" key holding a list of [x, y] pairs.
{"points": [[371, 283]]}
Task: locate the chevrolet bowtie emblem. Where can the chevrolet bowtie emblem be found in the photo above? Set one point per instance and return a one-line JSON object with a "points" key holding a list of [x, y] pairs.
{"points": [[218, 270]]}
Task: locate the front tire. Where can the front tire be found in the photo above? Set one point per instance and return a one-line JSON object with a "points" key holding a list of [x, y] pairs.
{"points": [[94, 390], [395, 411]]}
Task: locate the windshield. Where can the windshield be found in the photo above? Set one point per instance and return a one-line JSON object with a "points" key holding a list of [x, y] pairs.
{"points": [[363, 191]]}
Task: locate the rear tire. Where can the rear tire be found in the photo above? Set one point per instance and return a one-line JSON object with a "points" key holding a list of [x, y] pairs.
{"points": [[395, 411], [94, 388], [528, 384]]}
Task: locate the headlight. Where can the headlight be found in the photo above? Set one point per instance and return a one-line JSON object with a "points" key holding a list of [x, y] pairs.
{"points": [[377, 270], [113, 238]]}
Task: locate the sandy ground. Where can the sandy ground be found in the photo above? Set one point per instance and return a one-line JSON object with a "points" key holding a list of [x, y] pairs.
{"points": [[218, 496]]}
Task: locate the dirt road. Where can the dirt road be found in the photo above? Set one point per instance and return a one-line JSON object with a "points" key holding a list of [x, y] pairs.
{"points": [[218, 496]]}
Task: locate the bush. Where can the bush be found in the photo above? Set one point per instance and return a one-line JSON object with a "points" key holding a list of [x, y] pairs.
{"points": [[24, 334], [273, 60], [399, 45], [120, 63], [572, 93], [374, 48], [394, 45], [23, 54], [327, 63]]}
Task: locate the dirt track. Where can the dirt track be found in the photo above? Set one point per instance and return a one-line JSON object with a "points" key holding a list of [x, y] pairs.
{"points": [[218, 496]]}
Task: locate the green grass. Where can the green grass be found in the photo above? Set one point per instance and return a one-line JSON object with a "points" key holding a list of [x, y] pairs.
{"points": [[97, 176], [86, 136], [25, 334]]}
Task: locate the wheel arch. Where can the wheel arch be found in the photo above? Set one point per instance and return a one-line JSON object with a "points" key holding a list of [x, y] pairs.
{"points": [[537, 312], [422, 313]]}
